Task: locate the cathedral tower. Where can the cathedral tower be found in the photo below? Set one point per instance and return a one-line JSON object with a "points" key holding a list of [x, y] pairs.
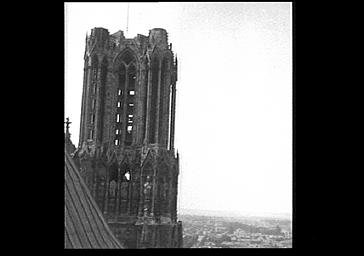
{"points": [[126, 149]]}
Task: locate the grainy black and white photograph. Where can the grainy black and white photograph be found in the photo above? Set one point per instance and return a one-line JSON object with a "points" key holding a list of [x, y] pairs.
{"points": [[178, 125]]}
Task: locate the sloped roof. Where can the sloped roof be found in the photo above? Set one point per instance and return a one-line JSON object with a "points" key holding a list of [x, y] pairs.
{"points": [[118, 34], [85, 226]]}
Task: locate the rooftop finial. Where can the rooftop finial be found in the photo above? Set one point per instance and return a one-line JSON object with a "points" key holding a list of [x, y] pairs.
{"points": [[67, 125]]}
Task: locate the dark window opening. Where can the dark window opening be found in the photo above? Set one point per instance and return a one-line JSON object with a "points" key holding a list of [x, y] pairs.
{"points": [[122, 80], [92, 118], [161, 103], [145, 102], [112, 188], [101, 97], [112, 193], [129, 110], [153, 108], [118, 126], [94, 73]]}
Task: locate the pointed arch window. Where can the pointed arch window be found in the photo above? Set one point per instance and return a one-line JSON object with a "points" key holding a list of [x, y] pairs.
{"points": [[112, 187], [126, 91], [128, 57], [164, 181], [147, 189], [124, 188], [100, 190]]}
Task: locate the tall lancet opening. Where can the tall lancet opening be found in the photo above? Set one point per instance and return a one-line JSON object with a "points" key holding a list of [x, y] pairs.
{"points": [[130, 104], [153, 101], [145, 98], [101, 98], [126, 92], [92, 97], [120, 104], [162, 101]]}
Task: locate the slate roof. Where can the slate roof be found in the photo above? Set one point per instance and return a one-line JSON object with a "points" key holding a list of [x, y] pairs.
{"points": [[85, 226]]}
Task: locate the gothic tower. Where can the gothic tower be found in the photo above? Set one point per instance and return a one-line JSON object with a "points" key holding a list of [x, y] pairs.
{"points": [[126, 149]]}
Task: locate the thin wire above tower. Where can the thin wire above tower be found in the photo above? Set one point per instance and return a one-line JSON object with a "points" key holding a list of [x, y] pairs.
{"points": [[127, 21]]}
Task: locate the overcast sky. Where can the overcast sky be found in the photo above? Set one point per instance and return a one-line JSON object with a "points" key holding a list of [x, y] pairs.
{"points": [[234, 95]]}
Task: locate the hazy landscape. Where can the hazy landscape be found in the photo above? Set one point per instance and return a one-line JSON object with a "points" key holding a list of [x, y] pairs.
{"points": [[220, 229]]}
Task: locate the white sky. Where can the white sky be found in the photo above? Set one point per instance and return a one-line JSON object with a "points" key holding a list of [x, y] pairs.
{"points": [[234, 95]]}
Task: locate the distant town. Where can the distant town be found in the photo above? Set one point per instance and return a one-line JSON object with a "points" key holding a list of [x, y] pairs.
{"points": [[208, 231]]}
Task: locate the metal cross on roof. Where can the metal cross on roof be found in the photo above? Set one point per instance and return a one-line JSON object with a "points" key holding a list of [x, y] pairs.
{"points": [[67, 123]]}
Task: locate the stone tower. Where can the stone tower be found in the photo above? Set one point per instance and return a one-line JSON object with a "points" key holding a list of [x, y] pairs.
{"points": [[126, 149]]}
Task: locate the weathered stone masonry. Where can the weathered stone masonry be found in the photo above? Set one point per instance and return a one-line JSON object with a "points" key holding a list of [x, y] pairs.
{"points": [[126, 149]]}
